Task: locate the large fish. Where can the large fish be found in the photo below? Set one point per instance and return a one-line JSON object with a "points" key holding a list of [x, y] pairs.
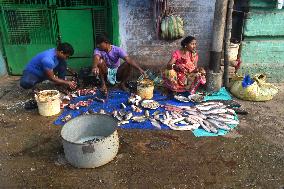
{"points": [[224, 120], [218, 124], [208, 125], [155, 123]]}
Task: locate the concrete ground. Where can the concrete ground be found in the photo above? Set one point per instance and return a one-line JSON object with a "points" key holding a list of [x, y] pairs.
{"points": [[251, 156]]}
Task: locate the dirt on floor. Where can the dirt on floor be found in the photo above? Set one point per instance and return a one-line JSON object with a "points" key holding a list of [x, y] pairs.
{"points": [[251, 156]]}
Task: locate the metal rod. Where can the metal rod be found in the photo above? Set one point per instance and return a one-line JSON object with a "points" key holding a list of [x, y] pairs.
{"points": [[227, 42], [218, 35]]}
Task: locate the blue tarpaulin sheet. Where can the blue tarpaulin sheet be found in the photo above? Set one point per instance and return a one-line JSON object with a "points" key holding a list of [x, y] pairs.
{"points": [[117, 97]]}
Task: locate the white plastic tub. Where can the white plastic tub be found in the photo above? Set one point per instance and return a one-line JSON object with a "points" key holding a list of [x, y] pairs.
{"points": [[48, 102]]}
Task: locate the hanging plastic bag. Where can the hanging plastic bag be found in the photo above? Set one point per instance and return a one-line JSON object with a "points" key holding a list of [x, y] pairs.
{"points": [[257, 90]]}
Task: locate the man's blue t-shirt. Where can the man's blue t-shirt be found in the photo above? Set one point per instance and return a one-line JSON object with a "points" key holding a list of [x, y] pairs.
{"points": [[46, 60]]}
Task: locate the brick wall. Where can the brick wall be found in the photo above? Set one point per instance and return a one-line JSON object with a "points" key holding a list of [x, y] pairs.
{"points": [[138, 37]]}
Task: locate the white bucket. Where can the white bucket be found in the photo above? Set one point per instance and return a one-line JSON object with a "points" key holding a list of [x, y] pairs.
{"points": [[48, 102]]}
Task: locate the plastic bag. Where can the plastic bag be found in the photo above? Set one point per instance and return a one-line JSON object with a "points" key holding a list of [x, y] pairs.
{"points": [[259, 90]]}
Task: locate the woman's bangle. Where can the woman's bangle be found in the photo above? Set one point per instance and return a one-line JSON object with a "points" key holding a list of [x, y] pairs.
{"points": [[173, 66]]}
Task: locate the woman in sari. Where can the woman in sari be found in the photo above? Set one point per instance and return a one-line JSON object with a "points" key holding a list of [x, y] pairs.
{"points": [[182, 73]]}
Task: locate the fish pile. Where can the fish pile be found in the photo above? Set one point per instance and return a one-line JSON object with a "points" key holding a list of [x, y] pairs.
{"points": [[80, 92], [210, 116], [79, 104]]}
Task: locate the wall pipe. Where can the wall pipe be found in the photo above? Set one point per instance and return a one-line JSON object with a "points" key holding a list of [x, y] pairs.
{"points": [[218, 35], [227, 42]]}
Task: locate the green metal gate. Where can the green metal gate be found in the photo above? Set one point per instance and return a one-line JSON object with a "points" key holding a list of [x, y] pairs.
{"points": [[28, 27]]}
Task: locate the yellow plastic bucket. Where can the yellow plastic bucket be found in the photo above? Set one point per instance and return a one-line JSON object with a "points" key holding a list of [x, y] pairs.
{"points": [[48, 102], [145, 88]]}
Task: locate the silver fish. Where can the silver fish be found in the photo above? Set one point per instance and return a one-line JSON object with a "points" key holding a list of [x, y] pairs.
{"points": [[211, 103], [102, 111], [138, 119], [147, 113], [227, 116], [156, 113], [157, 117], [155, 124], [205, 127], [224, 120], [183, 128], [209, 126], [133, 107], [190, 120], [123, 105], [218, 124], [167, 115], [215, 111], [118, 117], [123, 122], [122, 112], [128, 116], [231, 111], [114, 113], [175, 116]]}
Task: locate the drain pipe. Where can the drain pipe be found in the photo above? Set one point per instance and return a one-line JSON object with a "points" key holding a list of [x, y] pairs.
{"points": [[214, 76], [227, 42]]}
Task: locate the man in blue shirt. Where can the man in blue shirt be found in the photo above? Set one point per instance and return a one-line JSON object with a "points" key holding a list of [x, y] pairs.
{"points": [[44, 66]]}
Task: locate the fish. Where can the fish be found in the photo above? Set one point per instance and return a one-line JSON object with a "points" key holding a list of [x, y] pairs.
{"points": [[102, 111], [123, 105], [147, 113], [123, 122], [122, 112], [177, 120], [205, 127], [114, 113], [190, 120], [167, 115], [231, 111], [66, 118], [219, 125], [155, 123], [139, 119], [224, 120], [133, 107], [227, 116], [156, 113], [128, 116], [183, 128], [211, 103], [118, 117], [215, 111], [99, 99], [157, 117], [210, 127]]}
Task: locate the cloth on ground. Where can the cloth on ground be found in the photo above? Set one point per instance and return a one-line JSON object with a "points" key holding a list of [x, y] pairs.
{"points": [[118, 97]]}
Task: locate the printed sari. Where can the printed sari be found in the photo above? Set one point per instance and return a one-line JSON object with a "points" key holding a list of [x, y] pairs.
{"points": [[184, 76]]}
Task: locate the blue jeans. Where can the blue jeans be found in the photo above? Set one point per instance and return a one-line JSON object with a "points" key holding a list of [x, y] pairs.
{"points": [[29, 80]]}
